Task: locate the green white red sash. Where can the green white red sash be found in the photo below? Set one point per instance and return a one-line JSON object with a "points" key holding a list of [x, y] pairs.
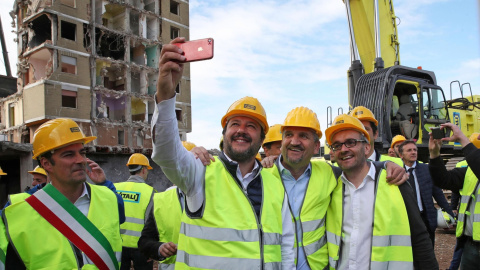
{"points": [[74, 225]]}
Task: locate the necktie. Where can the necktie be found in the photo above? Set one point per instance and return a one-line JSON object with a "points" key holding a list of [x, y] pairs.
{"points": [[411, 180]]}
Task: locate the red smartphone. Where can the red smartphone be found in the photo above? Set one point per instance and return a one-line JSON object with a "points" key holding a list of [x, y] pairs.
{"points": [[197, 50]]}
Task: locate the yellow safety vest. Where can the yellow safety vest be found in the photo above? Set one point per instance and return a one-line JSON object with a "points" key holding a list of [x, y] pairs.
{"points": [[391, 240], [41, 246], [15, 198], [229, 234], [467, 196], [136, 197], [168, 217], [395, 160], [312, 214]]}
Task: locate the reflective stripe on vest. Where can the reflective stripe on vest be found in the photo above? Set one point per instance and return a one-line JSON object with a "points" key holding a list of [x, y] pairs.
{"points": [[468, 197], [168, 220], [228, 233], [136, 197], [57, 251], [391, 240]]}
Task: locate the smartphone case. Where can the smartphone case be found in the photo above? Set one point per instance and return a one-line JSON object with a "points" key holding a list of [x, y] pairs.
{"points": [[197, 50]]}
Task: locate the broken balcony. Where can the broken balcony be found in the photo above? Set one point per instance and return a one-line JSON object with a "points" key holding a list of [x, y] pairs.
{"points": [[111, 106], [110, 76], [40, 30], [139, 109], [110, 44]]}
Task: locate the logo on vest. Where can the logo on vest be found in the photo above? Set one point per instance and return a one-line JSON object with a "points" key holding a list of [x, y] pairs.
{"points": [[130, 196]]}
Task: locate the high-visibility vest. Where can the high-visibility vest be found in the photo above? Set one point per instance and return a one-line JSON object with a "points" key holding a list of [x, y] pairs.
{"points": [[395, 160], [229, 235], [168, 217], [470, 184], [312, 214], [3, 244], [391, 240], [18, 197], [41, 246], [136, 197]]}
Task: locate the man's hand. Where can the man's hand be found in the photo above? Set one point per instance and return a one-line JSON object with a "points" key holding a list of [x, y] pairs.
{"points": [[96, 174], [167, 249], [268, 162], [170, 69], [201, 153], [396, 175], [434, 146], [457, 134]]}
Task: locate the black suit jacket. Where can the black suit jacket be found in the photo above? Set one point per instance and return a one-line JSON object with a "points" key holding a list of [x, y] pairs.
{"points": [[427, 191]]}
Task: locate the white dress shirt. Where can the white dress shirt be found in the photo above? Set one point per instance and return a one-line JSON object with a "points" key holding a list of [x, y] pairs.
{"points": [[357, 222], [188, 173], [417, 187]]}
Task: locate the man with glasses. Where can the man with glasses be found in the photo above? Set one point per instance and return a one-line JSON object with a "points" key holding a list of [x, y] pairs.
{"points": [[371, 225]]}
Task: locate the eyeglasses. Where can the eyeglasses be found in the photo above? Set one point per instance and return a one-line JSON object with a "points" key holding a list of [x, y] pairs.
{"points": [[348, 143]]}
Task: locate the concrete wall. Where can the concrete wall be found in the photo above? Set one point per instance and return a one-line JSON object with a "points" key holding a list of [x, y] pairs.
{"points": [[116, 170]]}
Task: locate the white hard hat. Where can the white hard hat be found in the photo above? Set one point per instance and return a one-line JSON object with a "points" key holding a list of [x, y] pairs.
{"points": [[444, 219]]}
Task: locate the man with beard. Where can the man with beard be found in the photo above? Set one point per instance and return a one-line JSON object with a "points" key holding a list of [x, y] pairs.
{"points": [[236, 214], [371, 225], [75, 224]]}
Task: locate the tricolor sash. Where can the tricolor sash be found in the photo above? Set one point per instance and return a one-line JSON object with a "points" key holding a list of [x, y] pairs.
{"points": [[74, 225]]}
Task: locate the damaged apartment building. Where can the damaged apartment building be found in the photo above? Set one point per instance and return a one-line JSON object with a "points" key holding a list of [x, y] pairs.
{"points": [[95, 61]]}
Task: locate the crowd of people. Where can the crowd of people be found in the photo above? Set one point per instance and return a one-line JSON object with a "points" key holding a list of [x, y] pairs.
{"points": [[233, 211]]}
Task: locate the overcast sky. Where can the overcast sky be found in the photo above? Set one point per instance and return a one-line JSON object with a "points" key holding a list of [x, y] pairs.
{"points": [[290, 53]]}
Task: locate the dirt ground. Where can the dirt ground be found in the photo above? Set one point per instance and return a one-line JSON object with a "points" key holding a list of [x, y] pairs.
{"points": [[444, 245]]}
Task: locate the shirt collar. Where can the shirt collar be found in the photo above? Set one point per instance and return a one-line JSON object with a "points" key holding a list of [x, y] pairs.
{"points": [[84, 192], [413, 166], [283, 170], [373, 156], [255, 169], [369, 177]]}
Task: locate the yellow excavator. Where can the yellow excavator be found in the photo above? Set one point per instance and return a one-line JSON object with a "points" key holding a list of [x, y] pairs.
{"points": [[405, 100]]}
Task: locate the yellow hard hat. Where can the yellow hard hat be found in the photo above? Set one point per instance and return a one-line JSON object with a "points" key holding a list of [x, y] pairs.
{"points": [[474, 139], [274, 134], [188, 145], [247, 106], [363, 114], [258, 157], [57, 133], [2, 173], [345, 122], [38, 170], [139, 159], [302, 117], [398, 139]]}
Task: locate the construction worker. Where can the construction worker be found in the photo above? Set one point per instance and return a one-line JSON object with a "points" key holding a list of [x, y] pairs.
{"points": [[371, 225], [465, 181], [76, 225], [308, 185], [371, 125], [39, 176], [396, 141], [273, 141], [137, 197], [236, 215]]}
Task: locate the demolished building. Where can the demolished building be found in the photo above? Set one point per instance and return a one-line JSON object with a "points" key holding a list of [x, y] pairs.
{"points": [[96, 62]]}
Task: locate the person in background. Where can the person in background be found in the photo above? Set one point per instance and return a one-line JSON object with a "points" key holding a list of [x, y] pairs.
{"points": [[273, 141], [423, 188], [137, 197]]}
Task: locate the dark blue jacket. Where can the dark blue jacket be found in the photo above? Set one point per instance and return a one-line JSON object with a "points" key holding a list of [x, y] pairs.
{"points": [[427, 191]]}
